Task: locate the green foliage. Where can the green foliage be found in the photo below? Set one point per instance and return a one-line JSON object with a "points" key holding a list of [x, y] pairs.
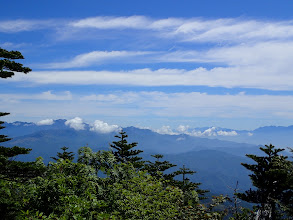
{"points": [[101, 160], [272, 178], [13, 174], [68, 190], [144, 197], [124, 153]]}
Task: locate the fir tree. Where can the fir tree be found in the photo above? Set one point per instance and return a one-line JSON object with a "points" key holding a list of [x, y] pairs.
{"points": [[124, 152], [270, 175], [8, 167], [157, 168], [7, 64], [65, 155], [186, 185]]}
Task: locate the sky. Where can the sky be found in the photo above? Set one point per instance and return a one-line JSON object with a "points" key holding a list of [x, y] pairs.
{"points": [[151, 64]]}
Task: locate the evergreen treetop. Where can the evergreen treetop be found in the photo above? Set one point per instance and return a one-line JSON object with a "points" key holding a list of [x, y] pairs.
{"points": [[271, 177], [7, 64], [123, 151]]}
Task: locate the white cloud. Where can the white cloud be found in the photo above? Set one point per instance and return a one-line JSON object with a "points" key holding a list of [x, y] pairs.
{"points": [[103, 127], [193, 104], [45, 122], [48, 95], [208, 132], [132, 22], [141, 104], [227, 30], [211, 132], [227, 133], [165, 129], [197, 29], [250, 134], [180, 139], [75, 123], [97, 58], [276, 75], [12, 26], [183, 128]]}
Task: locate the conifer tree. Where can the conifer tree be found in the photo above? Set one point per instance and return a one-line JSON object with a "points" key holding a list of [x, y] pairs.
{"points": [[7, 64], [185, 185], [271, 176], [157, 168], [65, 155], [124, 152], [8, 167]]}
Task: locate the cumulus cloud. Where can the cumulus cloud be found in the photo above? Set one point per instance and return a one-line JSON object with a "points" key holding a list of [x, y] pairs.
{"points": [[183, 128], [45, 122], [165, 129], [103, 127], [75, 123]]}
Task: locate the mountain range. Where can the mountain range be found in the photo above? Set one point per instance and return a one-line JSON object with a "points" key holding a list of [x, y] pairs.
{"points": [[216, 158]]}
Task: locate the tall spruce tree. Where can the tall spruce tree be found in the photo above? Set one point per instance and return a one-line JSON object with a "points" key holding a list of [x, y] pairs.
{"points": [[271, 177], [124, 153]]}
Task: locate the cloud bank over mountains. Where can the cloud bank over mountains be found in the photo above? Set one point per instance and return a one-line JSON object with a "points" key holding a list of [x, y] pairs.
{"points": [[182, 129], [102, 127]]}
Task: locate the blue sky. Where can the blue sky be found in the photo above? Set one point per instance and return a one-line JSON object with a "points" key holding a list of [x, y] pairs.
{"points": [[151, 63]]}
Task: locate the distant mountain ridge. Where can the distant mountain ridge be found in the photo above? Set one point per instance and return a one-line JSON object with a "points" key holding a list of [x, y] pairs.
{"points": [[279, 136]]}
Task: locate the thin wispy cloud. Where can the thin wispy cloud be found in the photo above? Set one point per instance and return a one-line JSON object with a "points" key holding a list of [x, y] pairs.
{"points": [[99, 57], [260, 77], [197, 29], [20, 25], [231, 30], [48, 95]]}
